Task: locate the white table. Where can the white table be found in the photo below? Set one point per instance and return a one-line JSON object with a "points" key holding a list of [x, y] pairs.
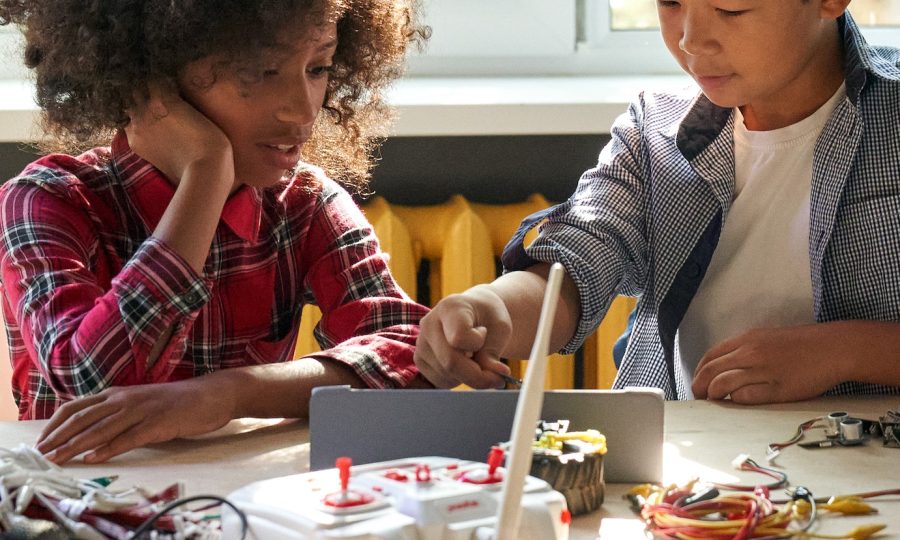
{"points": [[702, 440]]}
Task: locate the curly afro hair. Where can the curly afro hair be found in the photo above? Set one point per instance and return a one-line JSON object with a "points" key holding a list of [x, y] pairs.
{"points": [[91, 58]]}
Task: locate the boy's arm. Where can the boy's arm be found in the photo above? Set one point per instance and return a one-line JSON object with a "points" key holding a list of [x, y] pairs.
{"points": [[465, 336], [795, 363]]}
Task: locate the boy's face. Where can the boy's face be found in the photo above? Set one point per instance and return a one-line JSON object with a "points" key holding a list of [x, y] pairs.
{"points": [[770, 55], [267, 121]]}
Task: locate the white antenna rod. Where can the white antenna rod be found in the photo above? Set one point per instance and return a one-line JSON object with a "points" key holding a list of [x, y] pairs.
{"points": [[528, 409]]}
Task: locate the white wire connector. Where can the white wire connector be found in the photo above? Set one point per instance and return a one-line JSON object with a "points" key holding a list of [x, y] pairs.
{"points": [[739, 461]]}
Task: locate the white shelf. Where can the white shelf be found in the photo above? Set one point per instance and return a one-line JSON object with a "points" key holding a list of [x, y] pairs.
{"points": [[449, 106]]}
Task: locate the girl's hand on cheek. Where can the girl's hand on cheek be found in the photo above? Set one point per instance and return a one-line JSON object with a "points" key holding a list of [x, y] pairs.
{"points": [[173, 135]]}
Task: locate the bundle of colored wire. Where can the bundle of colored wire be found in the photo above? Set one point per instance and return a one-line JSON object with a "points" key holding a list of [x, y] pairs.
{"points": [[37, 498], [680, 514], [738, 517]]}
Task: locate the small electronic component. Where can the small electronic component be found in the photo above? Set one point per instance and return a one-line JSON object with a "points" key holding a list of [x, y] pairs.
{"points": [[572, 463], [833, 427], [841, 429], [890, 428], [848, 432]]}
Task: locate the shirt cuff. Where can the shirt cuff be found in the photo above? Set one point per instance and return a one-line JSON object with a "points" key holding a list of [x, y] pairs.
{"points": [[158, 290], [158, 271], [370, 362]]}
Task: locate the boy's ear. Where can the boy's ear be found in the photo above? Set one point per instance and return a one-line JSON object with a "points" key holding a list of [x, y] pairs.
{"points": [[832, 9]]}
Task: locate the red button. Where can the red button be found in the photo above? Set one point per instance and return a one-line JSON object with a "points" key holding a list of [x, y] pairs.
{"points": [[423, 473], [565, 516], [396, 476]]}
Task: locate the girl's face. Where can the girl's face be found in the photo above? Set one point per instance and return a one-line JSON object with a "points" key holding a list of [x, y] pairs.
{"points": [[776, 59], [267, 121]]}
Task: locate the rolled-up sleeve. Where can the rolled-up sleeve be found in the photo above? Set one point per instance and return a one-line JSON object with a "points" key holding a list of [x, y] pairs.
{"points": [[599, 234]]}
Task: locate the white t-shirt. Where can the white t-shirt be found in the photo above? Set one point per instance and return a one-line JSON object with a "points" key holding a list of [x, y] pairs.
{"points": [[759, 276]]}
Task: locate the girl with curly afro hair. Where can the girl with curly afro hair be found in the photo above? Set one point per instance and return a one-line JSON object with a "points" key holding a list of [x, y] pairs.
{"points": [[153, 283]]}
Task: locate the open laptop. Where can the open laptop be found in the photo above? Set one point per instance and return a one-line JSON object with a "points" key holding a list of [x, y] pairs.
{"points": [[380, 425]]}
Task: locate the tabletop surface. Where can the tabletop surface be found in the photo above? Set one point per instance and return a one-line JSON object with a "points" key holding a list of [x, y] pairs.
{"points": [[702, 439]]}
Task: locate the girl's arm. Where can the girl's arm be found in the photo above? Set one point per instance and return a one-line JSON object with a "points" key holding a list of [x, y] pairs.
{"points": [[123, 418], [369, 325], [194, 154], [87, 331]]}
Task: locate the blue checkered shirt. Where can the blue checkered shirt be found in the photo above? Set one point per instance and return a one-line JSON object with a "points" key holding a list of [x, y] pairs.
{"points": [[646, 220]]}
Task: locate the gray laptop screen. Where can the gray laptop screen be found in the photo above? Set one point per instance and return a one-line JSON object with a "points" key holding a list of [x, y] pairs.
{"points": [[379, 425]]}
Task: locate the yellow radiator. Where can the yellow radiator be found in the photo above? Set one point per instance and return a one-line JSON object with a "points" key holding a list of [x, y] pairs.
{"points": [[462, 240]]}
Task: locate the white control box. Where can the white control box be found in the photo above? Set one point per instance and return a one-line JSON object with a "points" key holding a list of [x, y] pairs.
{"points": [[427, 498]]}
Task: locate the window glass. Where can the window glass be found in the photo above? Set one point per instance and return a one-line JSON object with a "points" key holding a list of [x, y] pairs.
{"points": [[499, 38], [633, 14], [11, 54], [641, 14], [876, 12], [474, 28]]}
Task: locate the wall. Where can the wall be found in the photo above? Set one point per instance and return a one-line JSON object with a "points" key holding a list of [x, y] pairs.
{"points": [[428, 170]]}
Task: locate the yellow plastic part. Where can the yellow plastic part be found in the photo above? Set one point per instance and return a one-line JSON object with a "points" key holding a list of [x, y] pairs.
{"points": [[306, 342], [395, 239], [554, 441], [502, 220], [456, 241]]}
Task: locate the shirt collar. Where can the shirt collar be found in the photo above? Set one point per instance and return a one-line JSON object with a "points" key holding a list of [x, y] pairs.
{"points": [[861, 60], [705, 120], [151, 192]]}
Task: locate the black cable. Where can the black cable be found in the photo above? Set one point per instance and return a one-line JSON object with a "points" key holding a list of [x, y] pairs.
{"points": [[803, 493], [147, 526]]}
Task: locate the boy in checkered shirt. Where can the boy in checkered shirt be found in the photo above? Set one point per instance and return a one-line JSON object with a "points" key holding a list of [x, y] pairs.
{"points": [[757, 221]]}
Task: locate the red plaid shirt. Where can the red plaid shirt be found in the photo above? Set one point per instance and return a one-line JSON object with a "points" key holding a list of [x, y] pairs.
{"points": [[87, 291]]}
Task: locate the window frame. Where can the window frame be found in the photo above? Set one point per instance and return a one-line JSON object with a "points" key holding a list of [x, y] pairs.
{"points": [[598, 51]]}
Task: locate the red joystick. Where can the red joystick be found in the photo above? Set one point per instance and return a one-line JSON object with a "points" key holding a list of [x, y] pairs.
{"points": [[345, 498], [490, 476], [495, 458], [343, 466]]}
